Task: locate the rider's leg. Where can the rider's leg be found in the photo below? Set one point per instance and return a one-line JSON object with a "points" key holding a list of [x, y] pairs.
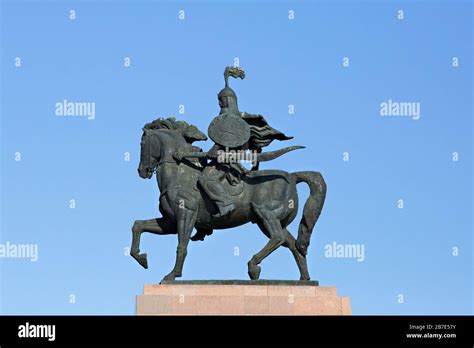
{"points": [[210, 182]]}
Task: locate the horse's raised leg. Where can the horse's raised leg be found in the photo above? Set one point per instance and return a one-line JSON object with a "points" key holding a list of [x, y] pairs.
{"points": [[186, 219], [272, 228], [290, 243], [157, 226]]}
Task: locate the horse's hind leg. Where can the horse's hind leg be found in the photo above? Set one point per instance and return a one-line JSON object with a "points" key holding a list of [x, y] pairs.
{"points": [[157, 226], [272, 228], [290, 243]]}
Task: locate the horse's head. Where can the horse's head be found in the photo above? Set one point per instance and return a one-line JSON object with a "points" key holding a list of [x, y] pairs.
{"points": [[149, 154], [161, 139]]}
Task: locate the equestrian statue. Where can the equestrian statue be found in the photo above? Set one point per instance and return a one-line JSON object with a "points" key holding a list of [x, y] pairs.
{"points": [[207, 191]]}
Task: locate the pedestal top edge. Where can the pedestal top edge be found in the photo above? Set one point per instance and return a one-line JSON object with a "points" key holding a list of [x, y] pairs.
{"points": [[276, 282]]}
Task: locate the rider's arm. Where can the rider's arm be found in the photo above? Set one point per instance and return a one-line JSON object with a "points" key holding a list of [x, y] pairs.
{"points": [[212, 153]]}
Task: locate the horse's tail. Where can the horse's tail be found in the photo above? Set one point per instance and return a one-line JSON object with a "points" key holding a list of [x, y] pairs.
{"points": [[312, 208]]}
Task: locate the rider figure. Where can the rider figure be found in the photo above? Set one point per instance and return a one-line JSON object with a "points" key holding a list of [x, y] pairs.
{"points": [[227, 130], [232, 130]]}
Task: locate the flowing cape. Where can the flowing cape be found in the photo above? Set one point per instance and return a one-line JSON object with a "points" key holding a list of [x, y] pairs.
{"points": [[261, 133]]}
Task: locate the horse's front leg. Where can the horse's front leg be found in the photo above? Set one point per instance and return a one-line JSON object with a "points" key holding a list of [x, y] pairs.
{"points": [[186, 218], [157, 226]]}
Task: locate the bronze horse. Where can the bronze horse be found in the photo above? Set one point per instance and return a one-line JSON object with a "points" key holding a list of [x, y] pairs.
{"points": [[267, 198]]}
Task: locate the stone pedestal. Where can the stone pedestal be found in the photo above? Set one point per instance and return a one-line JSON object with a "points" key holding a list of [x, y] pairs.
{"points": [[241, 298]]}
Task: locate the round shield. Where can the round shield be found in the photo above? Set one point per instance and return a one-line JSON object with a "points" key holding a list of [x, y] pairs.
{"points": [[229, 130]]}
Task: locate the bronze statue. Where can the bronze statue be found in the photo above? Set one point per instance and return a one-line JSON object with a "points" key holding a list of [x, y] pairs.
{"points": [[221, 193]]}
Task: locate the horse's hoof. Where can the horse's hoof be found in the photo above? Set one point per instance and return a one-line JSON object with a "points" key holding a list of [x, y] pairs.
{"points": [[197, 237], [141, 259], [169, 276], [254, 271]]}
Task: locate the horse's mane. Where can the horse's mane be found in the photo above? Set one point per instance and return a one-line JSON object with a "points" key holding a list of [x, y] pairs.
{"points": [[188, 131], [167, 123]]}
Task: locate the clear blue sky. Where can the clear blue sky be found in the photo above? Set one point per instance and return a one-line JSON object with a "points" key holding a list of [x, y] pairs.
{"points": [[82, 251]]}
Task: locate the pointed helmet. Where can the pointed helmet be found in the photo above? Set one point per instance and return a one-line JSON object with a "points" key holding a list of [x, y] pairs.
{"points": [[227, 97]]}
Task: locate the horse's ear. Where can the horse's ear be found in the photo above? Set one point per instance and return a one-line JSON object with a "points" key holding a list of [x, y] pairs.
{"points": [[192, 133]]}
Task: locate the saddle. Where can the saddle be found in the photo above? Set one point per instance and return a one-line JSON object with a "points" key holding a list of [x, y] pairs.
{"points": [[231, 188], [232, 180]]}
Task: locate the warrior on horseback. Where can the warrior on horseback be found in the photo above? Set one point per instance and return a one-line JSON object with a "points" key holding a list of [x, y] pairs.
{"points": [[231, 130], [190, 187]]}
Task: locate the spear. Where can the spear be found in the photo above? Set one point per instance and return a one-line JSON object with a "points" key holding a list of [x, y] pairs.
{"points": [[261, 157]]}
